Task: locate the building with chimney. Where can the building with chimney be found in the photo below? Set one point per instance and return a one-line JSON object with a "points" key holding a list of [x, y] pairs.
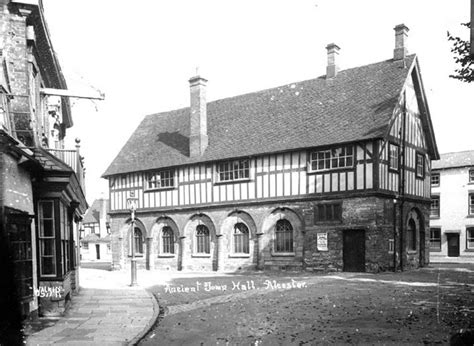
{"points": [[452, 208], [331, 173], [95, 233], [42, 196]]}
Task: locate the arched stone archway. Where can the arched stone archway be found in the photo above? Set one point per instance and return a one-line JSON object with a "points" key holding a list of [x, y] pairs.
{"points": [[165, 249], [238, 246], [199, 243], [415, 240], [273, 255], [125, 242]]}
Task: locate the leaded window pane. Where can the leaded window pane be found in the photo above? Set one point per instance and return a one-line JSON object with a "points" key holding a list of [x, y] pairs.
{"points": [[332, 159], [393, 156], [435, 239], [283, 236], [138, 241], [168, 240], [202, 240], [241, 238], [434, 210], [470, 238], [233, 170]]}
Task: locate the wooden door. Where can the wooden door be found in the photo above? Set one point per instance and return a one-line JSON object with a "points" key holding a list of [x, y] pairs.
{"points": [[97, 250], [453, 244], [353, 251]]}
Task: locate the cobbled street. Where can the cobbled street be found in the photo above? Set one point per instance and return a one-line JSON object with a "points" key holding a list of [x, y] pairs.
{"points": [[424, 306]]}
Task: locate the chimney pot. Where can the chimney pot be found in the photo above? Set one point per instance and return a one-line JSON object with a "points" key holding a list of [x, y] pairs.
{"points": [[198, 139], [401, 36], [332, 68]]}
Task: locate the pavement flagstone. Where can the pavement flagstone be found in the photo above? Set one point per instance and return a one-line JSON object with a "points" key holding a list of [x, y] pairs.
{"points": [[107, 311]]}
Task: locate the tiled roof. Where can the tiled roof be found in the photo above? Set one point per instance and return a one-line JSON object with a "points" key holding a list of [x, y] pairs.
{"points": [[93, 213], [452, 160], [94, 238], [90, 238], [355, 105], [49, 162]]}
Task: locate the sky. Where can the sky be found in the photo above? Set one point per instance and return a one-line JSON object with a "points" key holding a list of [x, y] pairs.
{"points": [[141, 54]]}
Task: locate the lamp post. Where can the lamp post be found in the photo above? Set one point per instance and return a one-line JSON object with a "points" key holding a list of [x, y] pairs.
{"points": [[132, 206]]}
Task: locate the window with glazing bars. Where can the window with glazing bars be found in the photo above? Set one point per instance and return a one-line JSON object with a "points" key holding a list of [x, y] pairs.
{"points": [[203, 244], [435, 239], [283, 236], [328, 212], [393, 156], [470, 238], [471, 204], [241, 238], [471, 175], [233, 170], [160, 179], [434, 179], [420, 165], [138, 239], [47, 240], [19, 234], [168, 240], [434, 209], [342, 157]]}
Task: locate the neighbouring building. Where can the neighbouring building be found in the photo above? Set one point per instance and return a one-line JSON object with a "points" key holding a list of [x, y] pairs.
{"points": [[452, 207], [41, 183], [95, 233], [331, 173]]}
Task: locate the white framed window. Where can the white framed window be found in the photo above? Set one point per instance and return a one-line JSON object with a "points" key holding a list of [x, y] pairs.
{"points": [[160, 180], [471, 175], [435, 239], [471, 203], [420, 165], [47, 238], [393, 156], [435, 179], [391, 246], [434, 209], [336, 158], [233, 170], [470, 238]]}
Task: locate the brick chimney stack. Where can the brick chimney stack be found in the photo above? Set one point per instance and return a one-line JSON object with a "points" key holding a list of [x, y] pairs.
{"points": [[332, 67], [401, 36], [198, 139]]}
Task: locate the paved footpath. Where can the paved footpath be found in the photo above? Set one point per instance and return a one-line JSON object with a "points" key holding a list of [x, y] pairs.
{"points": [[106, 311]]}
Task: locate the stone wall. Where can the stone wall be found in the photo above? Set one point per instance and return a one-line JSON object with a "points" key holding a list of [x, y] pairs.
{"points": [[54, 296], [374, 215]]}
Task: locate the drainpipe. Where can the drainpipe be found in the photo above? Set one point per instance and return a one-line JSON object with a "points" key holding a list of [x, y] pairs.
{"points": [[401, 184]]}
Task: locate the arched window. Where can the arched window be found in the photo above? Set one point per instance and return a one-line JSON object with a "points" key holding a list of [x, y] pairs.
{"points": [[411, 235], [283, 236], [241, 238], [138, 241], [167, 238], [203, 244]]}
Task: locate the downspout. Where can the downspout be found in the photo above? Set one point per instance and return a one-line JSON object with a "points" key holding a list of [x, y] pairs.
{"points": [[401, 184], [394, 234]]}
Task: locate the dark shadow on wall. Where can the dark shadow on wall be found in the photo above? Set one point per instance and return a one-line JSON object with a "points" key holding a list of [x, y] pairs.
{"points": [[10, 309]]}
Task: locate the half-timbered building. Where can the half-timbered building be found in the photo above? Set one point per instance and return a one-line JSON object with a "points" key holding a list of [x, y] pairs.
{"points": [[331, 173]]}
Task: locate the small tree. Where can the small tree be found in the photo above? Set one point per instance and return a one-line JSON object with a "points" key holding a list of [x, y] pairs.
{"points": [[464, 62]]}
